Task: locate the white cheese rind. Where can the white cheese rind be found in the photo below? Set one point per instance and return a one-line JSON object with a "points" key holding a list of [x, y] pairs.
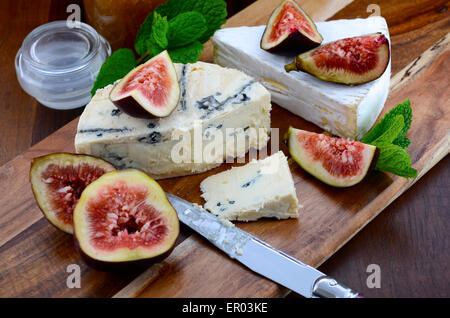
{"points": [[347, 111], [262, 188], [212, 98]]}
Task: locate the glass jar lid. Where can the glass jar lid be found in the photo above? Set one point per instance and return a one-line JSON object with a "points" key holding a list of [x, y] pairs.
{"points": [[58, 65]]}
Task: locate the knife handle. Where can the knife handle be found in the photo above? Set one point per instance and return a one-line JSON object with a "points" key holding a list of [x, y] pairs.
{"points": [[327, 287]]}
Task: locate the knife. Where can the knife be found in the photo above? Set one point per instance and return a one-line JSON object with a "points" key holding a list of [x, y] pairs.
{"points": [[259, 256]]}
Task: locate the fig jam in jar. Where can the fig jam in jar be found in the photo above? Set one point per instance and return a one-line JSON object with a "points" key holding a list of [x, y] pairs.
{"points": [[118, 20]]}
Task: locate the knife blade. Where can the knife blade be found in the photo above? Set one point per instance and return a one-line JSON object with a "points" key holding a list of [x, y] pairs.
{"points": [[259, 256]]}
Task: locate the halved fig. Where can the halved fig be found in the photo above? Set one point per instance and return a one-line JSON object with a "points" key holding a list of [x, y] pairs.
{"points": [[350, 61], [289, 27], [124, 218], [59, 179], [339, 162], [150, 90]]}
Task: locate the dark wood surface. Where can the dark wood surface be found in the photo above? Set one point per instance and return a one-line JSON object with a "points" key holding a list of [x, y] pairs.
{"points": [[409, 240]]}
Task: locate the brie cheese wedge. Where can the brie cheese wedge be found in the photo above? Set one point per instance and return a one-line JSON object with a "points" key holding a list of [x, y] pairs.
{"points": [[261, 188], [346, 111], [213, 100]]}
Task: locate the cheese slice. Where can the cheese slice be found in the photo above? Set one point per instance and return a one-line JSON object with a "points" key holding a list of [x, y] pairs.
{"points": [[262, 188], [213, 100], [346, 111]]}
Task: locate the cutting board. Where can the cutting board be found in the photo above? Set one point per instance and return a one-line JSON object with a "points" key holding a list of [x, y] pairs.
{"points": [[34, 256]]}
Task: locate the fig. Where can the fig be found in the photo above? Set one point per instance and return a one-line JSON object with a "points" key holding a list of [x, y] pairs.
{"points": [[288, 28], [339, 162], [150, 90], [59, 179], [124, 219], [350, 61]]}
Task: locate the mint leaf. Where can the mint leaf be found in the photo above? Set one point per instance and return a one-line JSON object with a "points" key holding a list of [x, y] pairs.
{"points": [[143, 35], [406, 110], [403, 109], [389, 135], [396, 125], [115, 67], [151, 38], [186, 54], [402, 142], [394, 159], [160, 26], [185, 28], [214, 12]]}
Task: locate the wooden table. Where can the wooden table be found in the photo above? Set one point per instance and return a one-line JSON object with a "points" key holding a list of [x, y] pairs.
{"points": [[409, 240]]}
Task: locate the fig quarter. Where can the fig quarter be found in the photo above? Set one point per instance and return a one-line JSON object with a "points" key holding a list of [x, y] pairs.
{"points": [[351, 61], [290, 28], [150, 90]]}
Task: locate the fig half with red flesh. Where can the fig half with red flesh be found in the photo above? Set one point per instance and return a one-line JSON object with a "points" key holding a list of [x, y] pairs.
{"points": [[339, 162], [124, 219], [350, 61], [150, 90], [59, 179], [289, 27]]}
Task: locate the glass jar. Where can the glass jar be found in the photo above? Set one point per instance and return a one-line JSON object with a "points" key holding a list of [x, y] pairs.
{"points": [[58, 65], [118, 20]]}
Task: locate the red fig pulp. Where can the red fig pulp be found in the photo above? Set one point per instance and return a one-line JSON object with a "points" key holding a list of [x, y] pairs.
{"points": [[289, 27], [339, 162], [351, 61], [150, 90], [124, 218], [59, 179]]}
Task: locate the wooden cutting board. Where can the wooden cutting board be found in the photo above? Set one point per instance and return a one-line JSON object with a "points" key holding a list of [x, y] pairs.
{"points": [[34, 255]]}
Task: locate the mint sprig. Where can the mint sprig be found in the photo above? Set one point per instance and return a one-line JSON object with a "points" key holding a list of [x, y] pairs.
{"points": [[143, 34], [186, 28], [392, 130], [180, 26], [160, 27], [389, 135], [214, 11], [187, 54], [404, 109], [394, 159]]}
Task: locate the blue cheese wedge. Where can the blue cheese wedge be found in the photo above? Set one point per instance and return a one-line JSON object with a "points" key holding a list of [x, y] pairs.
{"points": [[346, 111], [261, 188], [213, 99]]}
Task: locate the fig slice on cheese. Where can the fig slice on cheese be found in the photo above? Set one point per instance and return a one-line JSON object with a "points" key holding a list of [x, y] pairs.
{"points": [[290, 28], [150, 90], [351, 61]]}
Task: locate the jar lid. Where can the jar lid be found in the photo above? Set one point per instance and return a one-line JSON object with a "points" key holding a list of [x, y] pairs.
{"points": [[58, 65]]}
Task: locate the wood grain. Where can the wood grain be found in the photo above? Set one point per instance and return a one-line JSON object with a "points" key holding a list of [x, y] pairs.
{"points": [[24, 121], [417, 25], [419, 64], [408, 240]]}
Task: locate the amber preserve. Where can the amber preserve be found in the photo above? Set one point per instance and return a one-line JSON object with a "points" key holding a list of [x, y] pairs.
{"points": [[118, 20]]}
